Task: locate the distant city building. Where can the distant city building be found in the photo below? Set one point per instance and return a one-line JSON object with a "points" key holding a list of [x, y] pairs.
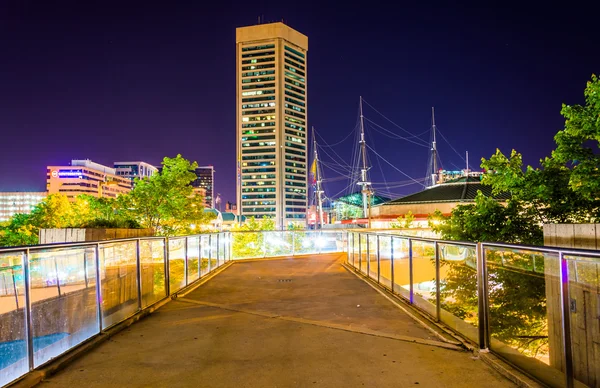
{"points": [[231, 208], [86, 177], [134, 170], [12, 203], [205, 178], [271, 123]]}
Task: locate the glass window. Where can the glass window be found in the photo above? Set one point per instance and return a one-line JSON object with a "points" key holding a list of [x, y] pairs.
{"points": [[261, 47], [298, 53]]}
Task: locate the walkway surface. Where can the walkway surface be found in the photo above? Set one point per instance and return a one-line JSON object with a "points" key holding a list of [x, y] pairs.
{"points": [[296, 322]]}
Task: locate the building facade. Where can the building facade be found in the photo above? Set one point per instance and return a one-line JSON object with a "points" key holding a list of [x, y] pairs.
{"points": [[86, 177], [12, 203], [205, 178], [271, 104], [134, 170]]}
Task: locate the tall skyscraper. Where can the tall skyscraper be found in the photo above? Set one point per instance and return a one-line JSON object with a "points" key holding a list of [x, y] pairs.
{"points": [[205, 178], [271, 123]]}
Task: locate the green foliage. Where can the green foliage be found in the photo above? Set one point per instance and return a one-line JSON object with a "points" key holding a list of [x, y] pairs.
{"points": [[252, 242], [404, 222], [578, 143], [488, 220], [545, 193], [165, 202], [18, 231]]}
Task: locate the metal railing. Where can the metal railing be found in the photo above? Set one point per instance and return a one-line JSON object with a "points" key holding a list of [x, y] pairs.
{"points": [[54, 297], [537, 307]]}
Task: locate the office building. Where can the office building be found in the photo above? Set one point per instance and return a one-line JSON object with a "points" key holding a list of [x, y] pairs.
{"points": [[271, 105], [205, 178], [86, 177], [134, 170], [12, 203]]}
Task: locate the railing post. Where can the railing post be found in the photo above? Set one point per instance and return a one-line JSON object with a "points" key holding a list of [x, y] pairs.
{"points": [[392, 259], [264, 238], [320, 239], [293, 243], [348, 250], [410, 271], [28, 317], [138, 263], [185, 262], [438, 303], [566, 319], [98, 287], [368, 258], [167, 267], [378, 262], [57, 278], [482, 297], [218, 248], [209, 252], [199, 257], [359, 252], [85, 275], [230, 245]]}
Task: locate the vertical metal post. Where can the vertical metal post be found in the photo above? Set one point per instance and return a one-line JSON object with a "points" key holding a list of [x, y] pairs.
{"points": [[353, 246], [348, 251], [185, 261], [98, 287], [28, 317], [167, 267], [410, 271], [378, 262], [264, 238], [392, 259], [15, 288], [368, 258], [138, 263], [57, 278], [209, 252], [85, 275], [199, 256], [293, 243], [359, 252], [218, 248], [438, 302], [482, 296], [321, 241], [566, 320], [230, 245]]}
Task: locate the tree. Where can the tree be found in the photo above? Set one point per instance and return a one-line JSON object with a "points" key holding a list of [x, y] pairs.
{"points": [[18, 231], [578, 143], [404, 222], [251, 243], [54, 211], [166, 202], [544, 193]]}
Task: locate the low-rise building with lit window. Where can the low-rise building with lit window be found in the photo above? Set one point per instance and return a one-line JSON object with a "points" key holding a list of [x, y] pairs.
{"points": [[86, 177], [12, 203]]}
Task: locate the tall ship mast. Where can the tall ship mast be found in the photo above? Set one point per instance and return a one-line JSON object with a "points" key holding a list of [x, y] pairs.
{"points": [[364, 181]]}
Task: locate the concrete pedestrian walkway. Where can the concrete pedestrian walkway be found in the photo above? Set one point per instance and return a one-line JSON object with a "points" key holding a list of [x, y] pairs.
{"points": [[294, 322]]}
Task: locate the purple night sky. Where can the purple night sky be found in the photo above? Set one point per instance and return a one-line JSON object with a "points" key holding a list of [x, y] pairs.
{"points": [[108, 81]]}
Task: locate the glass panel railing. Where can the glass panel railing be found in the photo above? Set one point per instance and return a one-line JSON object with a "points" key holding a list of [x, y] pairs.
{"points": [[213, 251], [152, 264], [525, 310], [458, 289], [305, 242], [363, 261], [401, 267], [63, 299], [193, 255], [247, 245], [385, 261], [276, 244], [204, 255], [424, 278], [118, 279], [14, 361], [584, 294], [177, 263], [372, 256]]}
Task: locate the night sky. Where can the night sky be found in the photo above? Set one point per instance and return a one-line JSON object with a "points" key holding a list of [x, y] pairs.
{"points": [[133, 80]]}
